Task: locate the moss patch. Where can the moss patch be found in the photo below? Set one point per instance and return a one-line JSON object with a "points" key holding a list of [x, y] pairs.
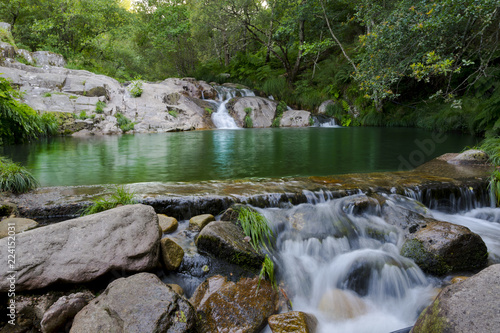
{"points": [[430, 320], [427, 261]]}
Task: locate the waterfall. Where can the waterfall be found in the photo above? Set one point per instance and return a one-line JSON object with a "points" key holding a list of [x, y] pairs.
{"points": [[221, 118], [344, 267]]}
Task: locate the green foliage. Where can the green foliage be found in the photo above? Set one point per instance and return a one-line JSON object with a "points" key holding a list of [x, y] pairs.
{"points": [[47, 94], [120, 197], [135, 87], [256, 227], [82, 115], [99, 107], [248, 119], [267, 271], [494, 185], [491, 146], [6, 37], [18, 122], [124, 123], [15, 178], [209, 111], [173, 113]]}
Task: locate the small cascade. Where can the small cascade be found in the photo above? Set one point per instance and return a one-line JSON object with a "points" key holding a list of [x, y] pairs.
{"points": [[323, 121], [221, 118], [344, 266]]}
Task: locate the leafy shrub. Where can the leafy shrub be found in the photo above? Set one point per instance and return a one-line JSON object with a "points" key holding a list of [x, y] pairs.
{"points": [[99, 107], [82, 115], [135, 87], [15, 178], [248, 119], [120, 197], [19, 122], [47, 94], [124, 123], [6, 37]]}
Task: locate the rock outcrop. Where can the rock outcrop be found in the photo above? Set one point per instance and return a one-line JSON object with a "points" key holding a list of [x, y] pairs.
{"points": [[470, 157], [140, 303], [224, 306], [295, 118], [80, 250], [261, 110], [468, 306]]}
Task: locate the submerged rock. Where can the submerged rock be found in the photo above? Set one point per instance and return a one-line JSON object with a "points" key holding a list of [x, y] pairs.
{"points": [[18, 224], [224, 306], [339, 304], [171, 253], [441, 247], [294, 321], [227, 241], [80, 250], [469, 306], [139, 303]]}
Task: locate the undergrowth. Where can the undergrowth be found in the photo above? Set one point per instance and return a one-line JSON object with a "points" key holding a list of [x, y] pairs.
{"points": [[256, 227], [120, 197], [15, 178]]}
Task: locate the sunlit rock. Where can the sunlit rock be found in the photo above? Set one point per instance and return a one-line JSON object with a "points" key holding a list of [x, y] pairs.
{"points": [[295, 118], [167, 224], [470, 157], [294, 321], [261, 110], [16, 225], [200, 221], [171, 253]]}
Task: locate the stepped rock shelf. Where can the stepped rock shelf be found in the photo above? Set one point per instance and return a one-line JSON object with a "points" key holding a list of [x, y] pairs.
{"points": [[436, 182]]}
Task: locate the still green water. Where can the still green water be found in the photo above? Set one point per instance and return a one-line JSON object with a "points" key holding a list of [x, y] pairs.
{"points": [[230, 154]]}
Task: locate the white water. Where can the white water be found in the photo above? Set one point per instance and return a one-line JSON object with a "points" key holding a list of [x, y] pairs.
{"points": [[346, 269], [221, 118]]}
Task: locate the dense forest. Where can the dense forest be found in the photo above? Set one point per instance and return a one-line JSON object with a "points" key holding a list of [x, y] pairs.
{"points": [[422, 63]]}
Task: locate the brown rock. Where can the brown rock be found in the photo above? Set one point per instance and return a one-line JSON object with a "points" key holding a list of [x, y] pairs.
{"points": [[63, 311], [225, 306], [199, 222], [175, 287], [167, 224], [171, 253], [294, 321]]}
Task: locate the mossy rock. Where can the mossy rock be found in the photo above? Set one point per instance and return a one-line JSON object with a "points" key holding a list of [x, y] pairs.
{"points": [[440, 248]]}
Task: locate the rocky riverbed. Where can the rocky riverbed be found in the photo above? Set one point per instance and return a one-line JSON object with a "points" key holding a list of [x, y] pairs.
{"points": [[131, 269]]}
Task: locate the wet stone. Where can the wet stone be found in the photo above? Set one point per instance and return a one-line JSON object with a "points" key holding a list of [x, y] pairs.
{"points": [[294, 321]]}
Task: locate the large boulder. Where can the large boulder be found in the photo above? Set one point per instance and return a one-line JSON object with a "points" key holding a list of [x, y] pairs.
{"points": [[46, 58], [226, 240], [15, 225], [139, 303], [80, 250], [293, 321], [262, 111], [441, 247], [295, 118], [468, 306], [224, 306]]}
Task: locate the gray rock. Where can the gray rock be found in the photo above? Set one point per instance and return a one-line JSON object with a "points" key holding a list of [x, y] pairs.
{"points": [[323, 107], [295, 118], [46, 58], [7, 50], [18, 224], [468, 306], [140, 303], [224, 306], [5, 26], [167, 224], [63, 311], [470, 157], [293, 321], [227, 241], [441, 247], [82, 249], [262, 114], [171, 254], [200, 221]]}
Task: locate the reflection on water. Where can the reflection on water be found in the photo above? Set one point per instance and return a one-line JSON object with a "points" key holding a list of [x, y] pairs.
{"points": [[222, 154]]}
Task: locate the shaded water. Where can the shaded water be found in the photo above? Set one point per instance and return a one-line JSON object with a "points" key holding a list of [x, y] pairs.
{"points": [[229, 154]]}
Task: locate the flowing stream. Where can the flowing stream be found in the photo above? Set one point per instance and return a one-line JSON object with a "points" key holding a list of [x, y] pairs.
{"points": [[221, 118], [343, 265]]}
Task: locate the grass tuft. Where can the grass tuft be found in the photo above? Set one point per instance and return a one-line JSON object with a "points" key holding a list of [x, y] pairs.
{"points": [[268, 271], [120, 197], [256, 227], [15, 178]]}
